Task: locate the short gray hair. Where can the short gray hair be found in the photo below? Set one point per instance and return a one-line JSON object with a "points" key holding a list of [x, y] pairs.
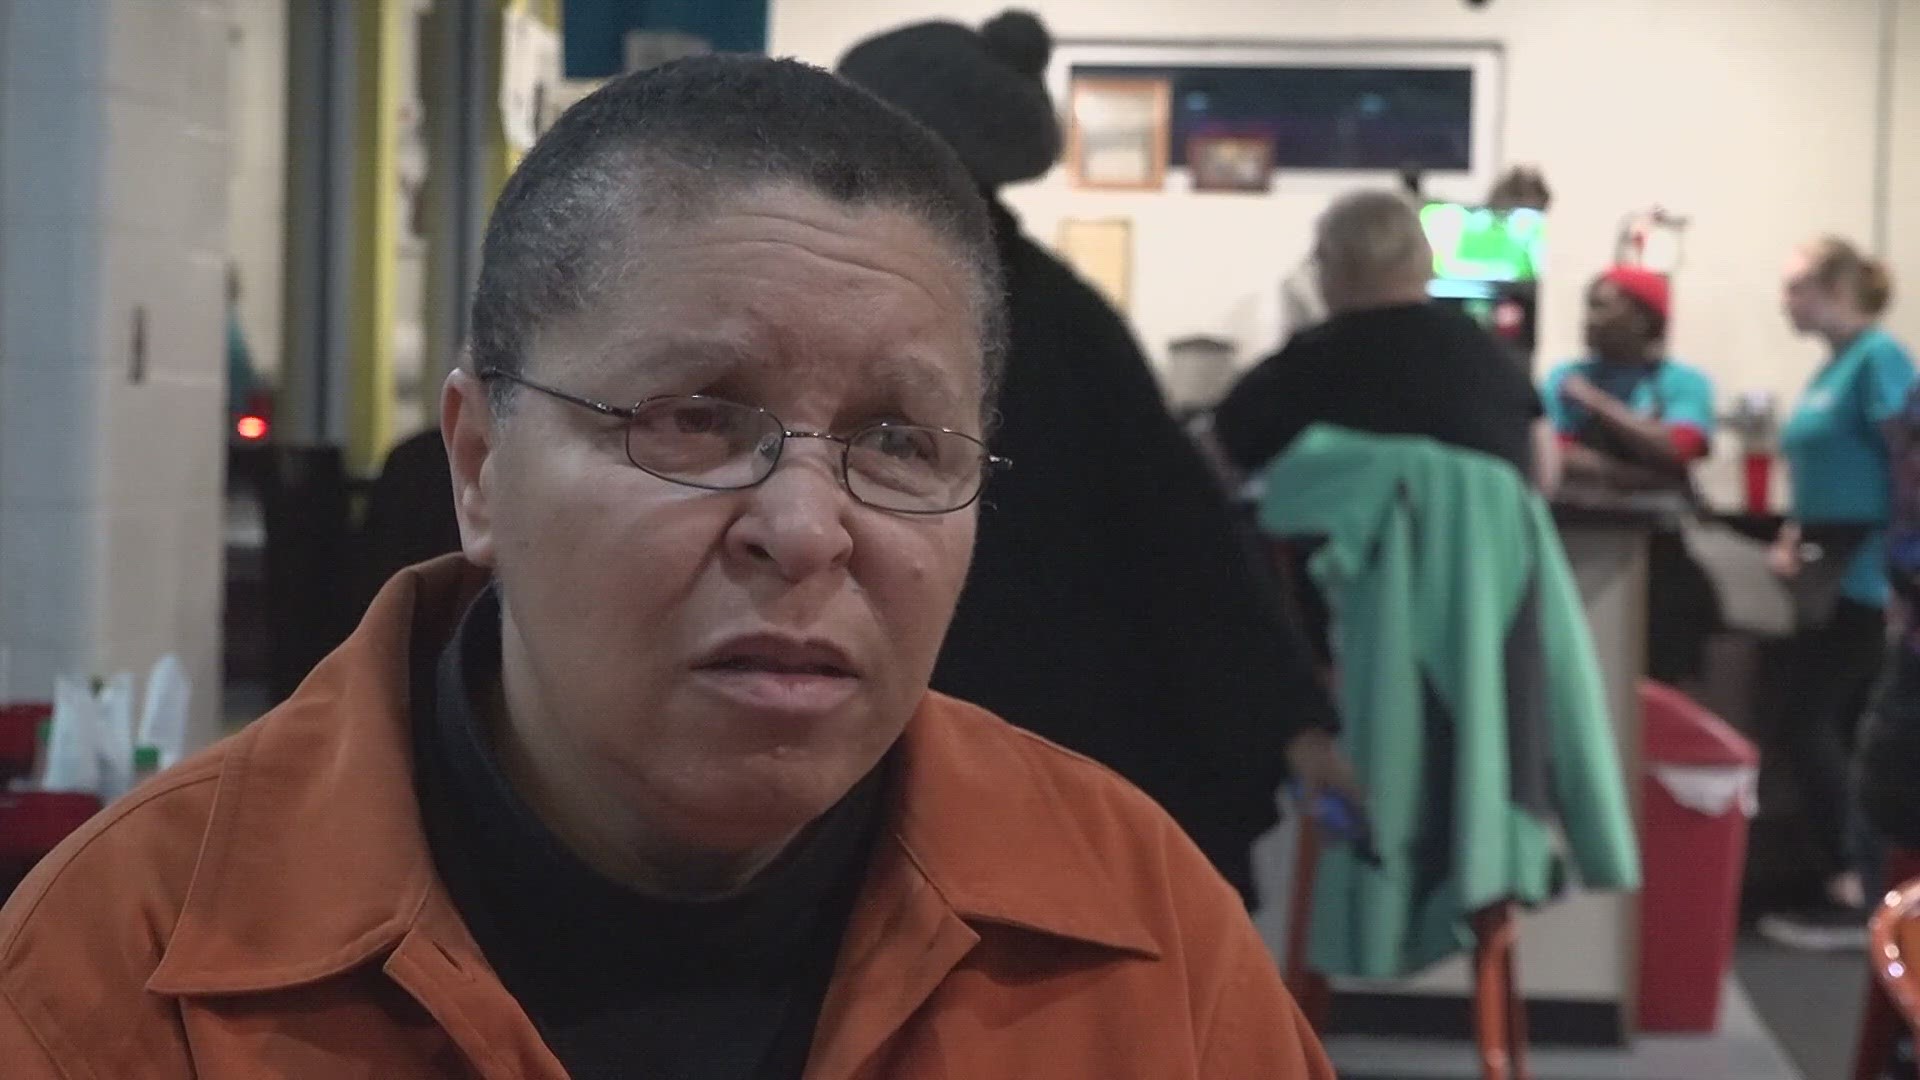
{"points": [[667, 143], [1369, 235]]}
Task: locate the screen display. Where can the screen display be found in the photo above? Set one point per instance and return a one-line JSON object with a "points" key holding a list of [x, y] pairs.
{"points": [[1474, 244]]}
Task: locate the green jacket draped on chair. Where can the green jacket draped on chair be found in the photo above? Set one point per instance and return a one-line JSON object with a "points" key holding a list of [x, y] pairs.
{"points": [[1473, 704]]}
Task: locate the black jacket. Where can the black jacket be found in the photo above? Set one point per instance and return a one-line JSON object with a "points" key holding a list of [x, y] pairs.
{"points": [[1115, 605]]}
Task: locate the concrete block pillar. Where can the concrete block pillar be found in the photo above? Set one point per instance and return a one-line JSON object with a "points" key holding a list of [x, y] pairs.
{"points": [[113, 219]]}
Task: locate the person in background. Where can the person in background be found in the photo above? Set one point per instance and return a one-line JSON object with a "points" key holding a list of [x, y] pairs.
{"points": [[1886, 761], [1303, 299], [1303, 303], [1832, 553], [246, 391], [1388, 361], [648, 781], [1111, 606], [409, 514], [1522, 187], [1633, 419], [1629, 417]]}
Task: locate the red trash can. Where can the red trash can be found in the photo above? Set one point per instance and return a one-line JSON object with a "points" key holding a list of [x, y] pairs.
{"points": [[1698, 788]]}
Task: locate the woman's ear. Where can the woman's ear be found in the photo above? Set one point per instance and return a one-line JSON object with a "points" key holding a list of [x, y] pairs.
{"points": [[468, 427]]}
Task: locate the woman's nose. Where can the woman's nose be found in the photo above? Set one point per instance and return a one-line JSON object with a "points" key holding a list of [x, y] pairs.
{"points": [[796, 519]]}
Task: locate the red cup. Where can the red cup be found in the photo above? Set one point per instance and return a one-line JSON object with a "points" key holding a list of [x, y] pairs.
{"points": [[1759, 472]]}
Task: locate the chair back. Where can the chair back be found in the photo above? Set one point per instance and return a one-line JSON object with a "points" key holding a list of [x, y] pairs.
{"points": [[1895, 929]]}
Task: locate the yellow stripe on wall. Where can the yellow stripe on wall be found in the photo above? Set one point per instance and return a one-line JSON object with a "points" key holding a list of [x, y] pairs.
{"points": [[375, 227]]}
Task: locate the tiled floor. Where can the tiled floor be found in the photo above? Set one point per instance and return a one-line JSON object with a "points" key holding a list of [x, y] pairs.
{"points": [[1810, 1002], [1743, 1050]]}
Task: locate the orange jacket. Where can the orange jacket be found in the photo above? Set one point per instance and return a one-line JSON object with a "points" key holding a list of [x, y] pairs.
{"points": [[270, 908]]}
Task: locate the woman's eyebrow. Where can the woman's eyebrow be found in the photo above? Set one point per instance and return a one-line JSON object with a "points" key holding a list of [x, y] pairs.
{"points": [[912, 378], [677, 357]]}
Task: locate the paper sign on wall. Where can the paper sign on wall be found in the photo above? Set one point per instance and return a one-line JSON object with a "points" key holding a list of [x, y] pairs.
{"points": [[1101, 250], [529, 73]]}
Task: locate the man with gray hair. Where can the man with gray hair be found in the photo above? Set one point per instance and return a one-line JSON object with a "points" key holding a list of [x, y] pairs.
{"points": [[1372, 253], [1386, 361]]}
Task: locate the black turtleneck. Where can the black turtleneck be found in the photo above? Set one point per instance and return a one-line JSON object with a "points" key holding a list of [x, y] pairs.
{"points": [[621, 984]]}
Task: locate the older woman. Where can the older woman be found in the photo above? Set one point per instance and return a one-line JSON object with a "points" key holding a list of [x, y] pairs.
{"points": [[650, 781]]}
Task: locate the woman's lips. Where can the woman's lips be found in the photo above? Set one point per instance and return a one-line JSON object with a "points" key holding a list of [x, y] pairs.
{"points": [[781, 690], [774, 673]]}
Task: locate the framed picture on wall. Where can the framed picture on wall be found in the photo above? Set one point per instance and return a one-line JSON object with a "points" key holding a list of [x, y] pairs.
{"points": [[1231, 162], [1118, 132]]}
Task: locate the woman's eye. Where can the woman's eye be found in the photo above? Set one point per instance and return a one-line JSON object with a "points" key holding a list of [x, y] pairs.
{"points": [[906, 443], [698, 420]]}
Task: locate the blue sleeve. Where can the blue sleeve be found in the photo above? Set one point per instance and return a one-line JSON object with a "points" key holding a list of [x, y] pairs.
{"points": [[1556, 405], [1885, 378], [1688, 399]]}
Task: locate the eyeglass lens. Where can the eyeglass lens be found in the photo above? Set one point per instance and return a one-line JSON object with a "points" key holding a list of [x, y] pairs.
{"points": [[712, 443]]}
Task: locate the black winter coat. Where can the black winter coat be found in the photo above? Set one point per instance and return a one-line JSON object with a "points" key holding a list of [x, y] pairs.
{"points": [[1115, 605]]}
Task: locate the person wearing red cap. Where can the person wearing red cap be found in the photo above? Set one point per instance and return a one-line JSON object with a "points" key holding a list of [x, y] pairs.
{"points": [[1629, 416]]}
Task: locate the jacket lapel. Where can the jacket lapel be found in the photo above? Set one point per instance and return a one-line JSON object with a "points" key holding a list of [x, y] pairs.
{"points": [[439, 964], [904, 939]]}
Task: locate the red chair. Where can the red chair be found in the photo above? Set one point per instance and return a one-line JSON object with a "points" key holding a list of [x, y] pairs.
{"points": [[1499, 1012], [1893, 984], [1309, 988]]}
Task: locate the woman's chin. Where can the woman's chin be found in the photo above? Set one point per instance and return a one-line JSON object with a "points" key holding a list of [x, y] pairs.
{"points": [[754, 810]]}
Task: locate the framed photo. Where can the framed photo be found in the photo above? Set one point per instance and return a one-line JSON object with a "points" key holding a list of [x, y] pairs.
{"points": [[1117, 132], [1231, 162]]}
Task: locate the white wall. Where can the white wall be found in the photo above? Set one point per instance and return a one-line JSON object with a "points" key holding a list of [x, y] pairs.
{"points": [[1903, 248], [256, 178], [1756, 119], [112, 156]]}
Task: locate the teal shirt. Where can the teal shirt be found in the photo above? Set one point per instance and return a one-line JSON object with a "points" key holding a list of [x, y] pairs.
{"points": [[1838, 456], [1676, 394], [240, 380]]}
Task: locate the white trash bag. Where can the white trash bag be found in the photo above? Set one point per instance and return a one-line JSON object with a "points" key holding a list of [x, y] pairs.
{"points": [[163, 721], [73, 739]]}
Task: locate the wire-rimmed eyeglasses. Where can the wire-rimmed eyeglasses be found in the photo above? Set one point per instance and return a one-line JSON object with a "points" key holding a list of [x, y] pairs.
{"points": [[720, 445]]}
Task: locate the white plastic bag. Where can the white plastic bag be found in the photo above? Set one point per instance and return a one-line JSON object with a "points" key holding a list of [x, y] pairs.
{"points": [[73, 741], [114, 707], [163, 720]]}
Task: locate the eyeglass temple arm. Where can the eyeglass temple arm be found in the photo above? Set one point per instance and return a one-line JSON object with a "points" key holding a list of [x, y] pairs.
{"points": [[600, 407]]}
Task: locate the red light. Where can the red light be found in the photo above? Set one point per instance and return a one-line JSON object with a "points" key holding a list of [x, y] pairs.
{"points": [[251, 427]]}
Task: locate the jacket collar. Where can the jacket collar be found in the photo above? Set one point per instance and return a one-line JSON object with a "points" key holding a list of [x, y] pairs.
{"points": [[315, 861]]}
